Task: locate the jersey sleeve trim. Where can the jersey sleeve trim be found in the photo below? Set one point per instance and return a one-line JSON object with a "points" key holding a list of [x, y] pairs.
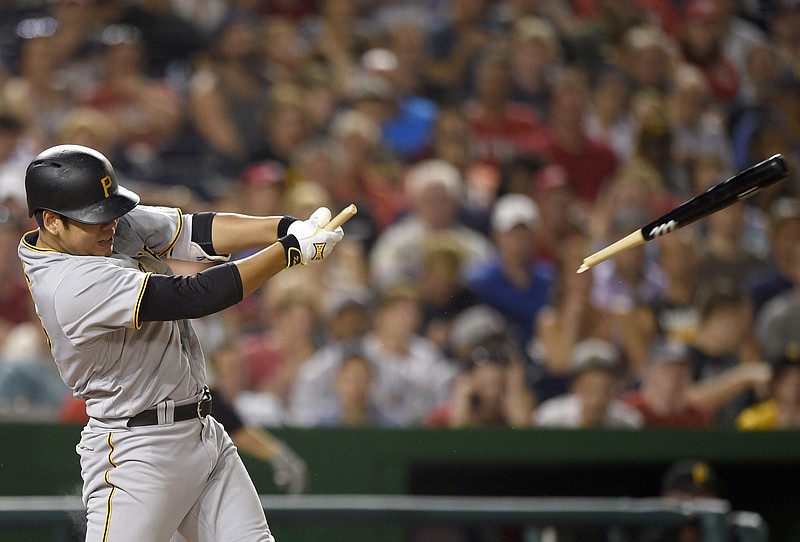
{"points": [[178, 232], [137, 323]]}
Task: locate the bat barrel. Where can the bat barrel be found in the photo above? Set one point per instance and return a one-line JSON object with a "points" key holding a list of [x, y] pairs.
{"points": [[720, 196]]}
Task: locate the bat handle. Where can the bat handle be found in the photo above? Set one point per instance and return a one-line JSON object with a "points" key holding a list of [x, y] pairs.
{"points": [[634, 239], [346, 214]]}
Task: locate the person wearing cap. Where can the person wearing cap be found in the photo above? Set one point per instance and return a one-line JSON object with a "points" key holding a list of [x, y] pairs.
{"points": [[684, 480], [514, 282], [781, 409], [491, 387], [662, 397], [435, 191], [593, 397], [262, 184]]}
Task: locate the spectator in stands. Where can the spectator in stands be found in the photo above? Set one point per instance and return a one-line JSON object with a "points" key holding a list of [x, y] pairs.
{"points": [[354, 404], [740, 37], [698, 130], [777, 317], [622, 289], [412, 375], [609, 118], [37, 95], [434, 189], [500, 128], [16, 146], [273, 357], [568, 318], [783, 225], [701, 42], [145, 112], [654, 147], [285, 124], [347, 315], [442, 289], [728, 375], [226, 104], [781, 408], [16, 306], [590, 164], [366, 173], [647, 57], [560, 219], [675, 309], [491, 387], [593, 398], [453, 47], [514, 282], [731, 243], [406, 118], [338, 34], [784, 22], [663, 394], [536, 55], [261, 188]]}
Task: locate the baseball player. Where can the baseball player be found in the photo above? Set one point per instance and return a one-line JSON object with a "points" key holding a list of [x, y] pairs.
{"points": [[153, 460]]}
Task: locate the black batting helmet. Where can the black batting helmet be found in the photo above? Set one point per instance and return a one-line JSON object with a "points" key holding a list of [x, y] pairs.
{"points": [[76, 182]]}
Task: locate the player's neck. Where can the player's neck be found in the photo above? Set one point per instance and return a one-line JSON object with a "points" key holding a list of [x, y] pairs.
{"points": [[46, 240]]}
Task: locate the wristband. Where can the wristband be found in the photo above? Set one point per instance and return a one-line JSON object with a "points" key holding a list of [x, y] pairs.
{"points": [[283, 225], [292, 248]]}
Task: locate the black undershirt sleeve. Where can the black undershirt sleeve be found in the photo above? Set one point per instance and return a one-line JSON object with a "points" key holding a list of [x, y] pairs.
{"points": [[168, 297]]}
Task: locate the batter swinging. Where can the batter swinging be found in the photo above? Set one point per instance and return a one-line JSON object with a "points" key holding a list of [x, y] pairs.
{"points": [[153, 460]]}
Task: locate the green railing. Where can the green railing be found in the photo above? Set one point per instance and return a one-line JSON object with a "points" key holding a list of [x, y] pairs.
{"points": [[390, 514]]}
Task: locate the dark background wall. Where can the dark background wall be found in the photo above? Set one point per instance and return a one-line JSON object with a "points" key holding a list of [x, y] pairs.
{"points": [[758, 471]]}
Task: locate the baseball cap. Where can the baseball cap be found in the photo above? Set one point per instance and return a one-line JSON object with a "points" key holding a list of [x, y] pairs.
{"points": [[512, 210], [667, 351], [339, 301], [692, 477], [591, 354], [263, 173], [475, 325]]}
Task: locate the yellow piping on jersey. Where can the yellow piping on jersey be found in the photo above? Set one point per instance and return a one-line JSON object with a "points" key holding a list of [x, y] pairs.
{"points": [[41, 324], [113, 487], [33, 247], [178, 231], [136, 323]]}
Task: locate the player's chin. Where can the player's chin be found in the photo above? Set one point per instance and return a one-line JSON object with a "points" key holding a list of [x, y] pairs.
{"points": [[104, 248]]}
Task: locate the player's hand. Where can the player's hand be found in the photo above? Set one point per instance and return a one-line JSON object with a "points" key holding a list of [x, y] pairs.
{"points": [[306, 241], [288, 470]]}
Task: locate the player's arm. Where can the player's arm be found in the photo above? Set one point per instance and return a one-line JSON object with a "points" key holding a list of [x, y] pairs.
{"points": [[232, 232], [167, 297], [218, 234]]}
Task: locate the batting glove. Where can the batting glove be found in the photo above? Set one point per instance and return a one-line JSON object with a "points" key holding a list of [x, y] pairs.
{"points": [[306, 241], [288, 470]]}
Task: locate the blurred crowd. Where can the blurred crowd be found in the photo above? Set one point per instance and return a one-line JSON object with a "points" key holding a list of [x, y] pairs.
{"points": [[489, 145]]}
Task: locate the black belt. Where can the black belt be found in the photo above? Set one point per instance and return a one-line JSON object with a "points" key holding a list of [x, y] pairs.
{"points": [[181, 413]]}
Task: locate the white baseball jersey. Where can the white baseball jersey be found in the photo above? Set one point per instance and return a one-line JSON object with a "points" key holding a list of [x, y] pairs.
{"points": [[89, 308]]}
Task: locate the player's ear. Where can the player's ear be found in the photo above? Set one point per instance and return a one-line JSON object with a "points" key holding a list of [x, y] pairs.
{"points": [[52, 222]]}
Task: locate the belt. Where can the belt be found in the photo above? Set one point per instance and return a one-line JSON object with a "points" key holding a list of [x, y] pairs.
{"points": [[181, 413]]}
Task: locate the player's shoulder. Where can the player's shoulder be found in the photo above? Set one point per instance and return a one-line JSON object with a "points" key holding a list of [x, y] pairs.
{"points": [[144, 214]]}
